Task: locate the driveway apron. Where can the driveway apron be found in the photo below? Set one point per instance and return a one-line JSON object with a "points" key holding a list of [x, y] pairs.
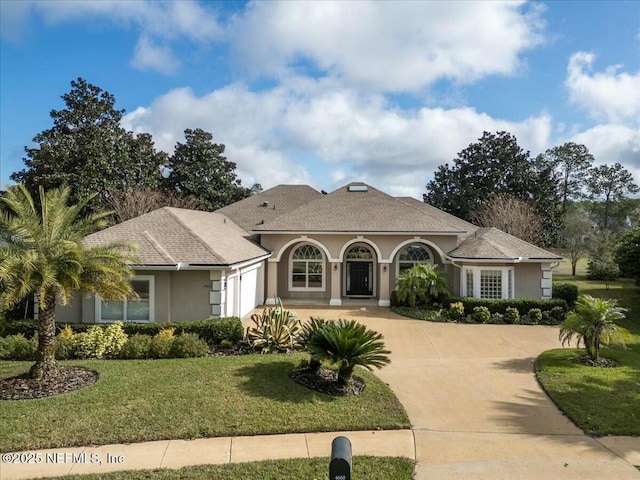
{"points": [[475, 405]]}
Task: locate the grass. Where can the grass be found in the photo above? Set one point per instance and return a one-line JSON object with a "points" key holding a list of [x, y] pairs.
{"points": [[144, 400], [371, 468], [601, 401]]}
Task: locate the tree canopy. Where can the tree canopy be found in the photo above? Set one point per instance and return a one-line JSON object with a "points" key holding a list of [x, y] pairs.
{"points": [[570, 162], [495, 164], [609, 184], [88, 151]]}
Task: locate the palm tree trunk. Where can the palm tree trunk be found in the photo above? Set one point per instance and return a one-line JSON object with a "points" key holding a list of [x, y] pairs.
{"points": [[345, 375], [46, 365]]}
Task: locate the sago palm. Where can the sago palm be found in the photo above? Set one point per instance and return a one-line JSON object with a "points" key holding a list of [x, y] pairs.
{"points": [[42, 253], [593, 323], [421, 284], [347, 344]]}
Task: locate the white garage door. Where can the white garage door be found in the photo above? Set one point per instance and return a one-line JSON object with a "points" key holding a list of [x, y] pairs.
{"points": [[248, 290]]}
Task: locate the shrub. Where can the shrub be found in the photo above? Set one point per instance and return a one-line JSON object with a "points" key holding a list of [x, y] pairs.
{"points": [[535, 315], [188, 345], [161, 344], [496, 318], [114, 339], [216, 330], [137, 347], [347, 344], [501, 305], [18, 347], [421, 285], [28, 328], [558, 315], [481, 314], [439, 315], [276, 330], [512, 316], [65, 344], [91, 344], [566, 291], [602, 269], [394, 301], [456, 310]]}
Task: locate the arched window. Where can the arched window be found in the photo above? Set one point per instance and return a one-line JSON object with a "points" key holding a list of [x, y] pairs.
{"points": [[359, 252], [307, 268], [412, 255]]}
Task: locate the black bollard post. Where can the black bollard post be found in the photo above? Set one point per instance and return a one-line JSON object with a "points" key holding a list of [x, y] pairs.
{"points": [[340, 465]]}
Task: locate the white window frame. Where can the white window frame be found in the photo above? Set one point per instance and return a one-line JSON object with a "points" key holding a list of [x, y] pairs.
{"points": [[415, 262], [508, 280], [323, 263], [152, 297]]}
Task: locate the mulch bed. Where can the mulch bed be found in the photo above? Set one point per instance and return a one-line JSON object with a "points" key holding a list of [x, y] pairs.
{"points": [[21, 387], [326, 381], [602, 362]]}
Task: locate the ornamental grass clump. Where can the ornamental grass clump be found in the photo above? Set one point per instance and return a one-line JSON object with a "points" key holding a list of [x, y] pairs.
{"points": [[346, 344], [276, 330]]}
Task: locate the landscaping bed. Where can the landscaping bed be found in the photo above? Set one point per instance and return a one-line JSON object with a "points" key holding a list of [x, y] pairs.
{"points": [[144, 400]]}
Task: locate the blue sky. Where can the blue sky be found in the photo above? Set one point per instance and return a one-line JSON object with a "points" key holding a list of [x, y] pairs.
{"points": [[324, 93]]}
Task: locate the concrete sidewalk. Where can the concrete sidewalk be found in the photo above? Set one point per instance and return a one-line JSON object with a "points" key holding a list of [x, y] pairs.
{"points": [[206, 451]]}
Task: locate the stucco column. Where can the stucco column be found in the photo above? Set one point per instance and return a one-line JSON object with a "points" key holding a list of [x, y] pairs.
{"points": [[336, 283], [272, 283], [384, 292]]}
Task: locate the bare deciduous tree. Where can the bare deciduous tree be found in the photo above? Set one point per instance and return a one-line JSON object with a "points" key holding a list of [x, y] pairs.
{"points": [[133, 202], [512, 215]]}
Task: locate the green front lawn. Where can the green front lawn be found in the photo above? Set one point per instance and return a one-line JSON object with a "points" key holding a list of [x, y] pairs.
{"points": [[371, 468], [601, 401], [144, 400]]}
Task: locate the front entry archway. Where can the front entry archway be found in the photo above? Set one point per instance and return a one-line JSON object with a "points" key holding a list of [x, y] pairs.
{"points": [[359, 272]]}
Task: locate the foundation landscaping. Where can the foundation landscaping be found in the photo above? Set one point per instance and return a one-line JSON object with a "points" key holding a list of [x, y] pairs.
{"points": [[229, 385]]}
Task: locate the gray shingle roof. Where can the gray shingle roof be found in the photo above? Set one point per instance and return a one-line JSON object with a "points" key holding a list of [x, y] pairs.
{"points": [[170, 235], [279, 200], [364, 211], [494, 244]]}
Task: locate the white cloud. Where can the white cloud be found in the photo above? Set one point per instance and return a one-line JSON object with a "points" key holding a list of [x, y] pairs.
{"points": [[154, 20], [389, 46], [148, 56], [329, 137], [613, 143], [611, 94]]}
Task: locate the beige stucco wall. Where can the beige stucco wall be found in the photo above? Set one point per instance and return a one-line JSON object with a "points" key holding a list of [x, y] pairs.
{"points": [[384, 248], [179, 296], [527, 280]]}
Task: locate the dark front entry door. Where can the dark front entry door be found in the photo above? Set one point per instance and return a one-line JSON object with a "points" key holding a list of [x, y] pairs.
{"points": [[359, 281]]}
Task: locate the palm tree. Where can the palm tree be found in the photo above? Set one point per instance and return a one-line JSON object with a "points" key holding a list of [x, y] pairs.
{"points": [[42, 253], [421, 284], [347, 344], [593, 323]]}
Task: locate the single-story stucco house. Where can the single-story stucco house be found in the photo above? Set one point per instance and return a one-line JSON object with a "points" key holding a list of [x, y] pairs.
{"points": [[293, 242]]}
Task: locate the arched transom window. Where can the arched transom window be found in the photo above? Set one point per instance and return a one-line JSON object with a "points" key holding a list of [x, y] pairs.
{"points": [[412, 255], [307, 268], [359, 252]]}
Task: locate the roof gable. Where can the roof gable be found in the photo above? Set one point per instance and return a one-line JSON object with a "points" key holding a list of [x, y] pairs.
{"points": [[494, 244], [358, 207], [268, 205], [168, 236]]}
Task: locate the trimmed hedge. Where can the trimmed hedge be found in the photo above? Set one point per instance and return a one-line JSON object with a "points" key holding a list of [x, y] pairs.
{"points": [[566, 291], [500, 305], [212, 330]]}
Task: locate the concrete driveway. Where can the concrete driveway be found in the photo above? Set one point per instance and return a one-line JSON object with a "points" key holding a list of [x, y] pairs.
{"points": [[476, 409]]}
